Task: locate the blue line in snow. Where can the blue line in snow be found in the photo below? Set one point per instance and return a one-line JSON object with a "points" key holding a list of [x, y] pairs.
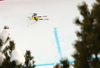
{"points": [[59, 63], [57, 41], [52, 64], [45, 64]]}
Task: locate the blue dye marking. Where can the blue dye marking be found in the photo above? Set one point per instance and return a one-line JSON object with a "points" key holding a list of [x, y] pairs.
{"points": [[57, 41], [52, 64], [57, 63], [71, 61], [45, 64]]}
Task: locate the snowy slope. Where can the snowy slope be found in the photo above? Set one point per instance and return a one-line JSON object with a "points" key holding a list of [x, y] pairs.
{"points": [[39, 37]]}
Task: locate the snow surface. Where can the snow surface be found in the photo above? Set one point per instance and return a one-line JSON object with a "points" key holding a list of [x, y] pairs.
{"points": [[4, 35], [39, 37], [1, 58], [17, 56]]}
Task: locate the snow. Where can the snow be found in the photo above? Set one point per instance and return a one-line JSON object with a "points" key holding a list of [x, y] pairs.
{"points": [[39, 37], [17, 56], [4, 35], [1, 58]]}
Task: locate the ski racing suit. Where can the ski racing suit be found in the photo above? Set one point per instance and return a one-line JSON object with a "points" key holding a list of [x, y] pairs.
{"points": [[34, 17]]}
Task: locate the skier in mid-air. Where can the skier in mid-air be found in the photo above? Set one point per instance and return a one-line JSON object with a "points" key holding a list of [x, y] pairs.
{"points": [[34, 16]]}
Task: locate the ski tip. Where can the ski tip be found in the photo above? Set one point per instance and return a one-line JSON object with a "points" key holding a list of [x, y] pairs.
{"points": [[46, 19], [44, 16]]}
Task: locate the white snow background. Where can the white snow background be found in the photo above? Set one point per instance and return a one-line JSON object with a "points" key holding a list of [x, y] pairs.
{"points": [[39, 37]]}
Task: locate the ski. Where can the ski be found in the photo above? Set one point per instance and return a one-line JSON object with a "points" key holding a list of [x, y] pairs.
{"points": [[40, 17], [43, 17]]}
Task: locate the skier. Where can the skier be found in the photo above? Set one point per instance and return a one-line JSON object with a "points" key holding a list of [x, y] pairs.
{"points": [[34, 16]]}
